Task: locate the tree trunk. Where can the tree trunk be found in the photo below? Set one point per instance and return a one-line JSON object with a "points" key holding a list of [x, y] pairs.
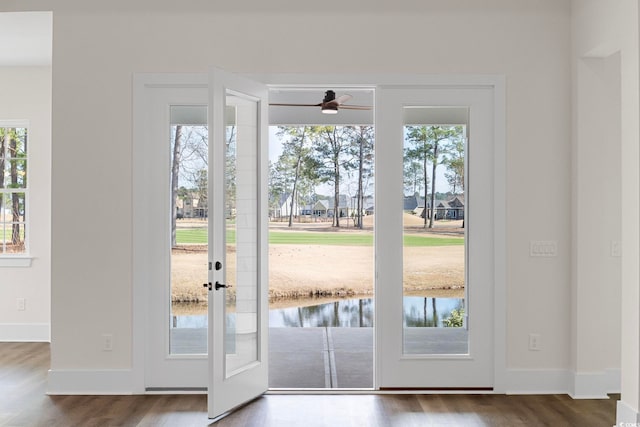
{"points": [[15, 199], [294, 191], [433, 183], [175, 171], [336, 193], [425, 213], [2, 153], [360, 178], [435, 312]]}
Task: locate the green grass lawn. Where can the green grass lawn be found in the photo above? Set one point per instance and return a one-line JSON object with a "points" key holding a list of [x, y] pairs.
{"points": [[199, 236]]}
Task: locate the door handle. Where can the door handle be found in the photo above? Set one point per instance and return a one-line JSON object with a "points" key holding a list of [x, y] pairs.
{"points": [[220, 285]]}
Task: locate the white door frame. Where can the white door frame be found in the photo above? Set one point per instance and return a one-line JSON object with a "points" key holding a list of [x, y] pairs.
{"points": [[496, 82], [142, 261]]}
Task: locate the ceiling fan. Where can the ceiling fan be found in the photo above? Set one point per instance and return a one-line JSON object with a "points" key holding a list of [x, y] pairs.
{"points": [[330, 104]]}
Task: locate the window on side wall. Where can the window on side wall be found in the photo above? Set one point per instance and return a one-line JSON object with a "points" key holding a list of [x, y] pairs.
{"points": [[14, 191]]}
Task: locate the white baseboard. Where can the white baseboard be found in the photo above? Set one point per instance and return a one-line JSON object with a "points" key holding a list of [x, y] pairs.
{"points": [[625, 415], [595, 385], [537, 381], [90, 382], [25, 332], [592, 385]]}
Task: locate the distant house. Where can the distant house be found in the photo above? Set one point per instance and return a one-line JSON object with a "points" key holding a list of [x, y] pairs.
{"points": [[343, 207], [420, 209], [411, 203], [191, 206], [320, 208], [450, 209], [367, 205], [282, 207], [444, 209]]}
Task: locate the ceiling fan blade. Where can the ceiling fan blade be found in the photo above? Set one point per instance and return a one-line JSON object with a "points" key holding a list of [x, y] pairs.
{"points": [[343, 98], [294, 105], [356, 107]]}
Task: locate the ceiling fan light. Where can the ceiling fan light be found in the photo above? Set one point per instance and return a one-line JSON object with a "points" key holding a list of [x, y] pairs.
{"points": [[330, 109]]}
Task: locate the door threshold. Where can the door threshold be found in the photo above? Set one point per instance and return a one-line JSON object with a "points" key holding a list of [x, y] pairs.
{"points": [[175, 390], [384, 390], [321, 391]]}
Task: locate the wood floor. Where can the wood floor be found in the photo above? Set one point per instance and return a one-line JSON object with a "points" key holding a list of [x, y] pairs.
{"points": [[23, 372]]}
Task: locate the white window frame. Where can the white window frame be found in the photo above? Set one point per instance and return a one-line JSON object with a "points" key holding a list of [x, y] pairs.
{"points": [[20, 259]]}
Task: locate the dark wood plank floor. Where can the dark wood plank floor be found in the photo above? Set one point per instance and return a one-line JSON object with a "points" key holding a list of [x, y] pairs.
{"points": [[23, 372]]}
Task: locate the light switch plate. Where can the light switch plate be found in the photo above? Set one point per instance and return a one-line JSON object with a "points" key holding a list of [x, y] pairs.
{"points": [[543, 248]]}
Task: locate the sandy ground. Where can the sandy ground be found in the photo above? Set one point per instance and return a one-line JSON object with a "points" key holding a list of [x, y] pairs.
{"points": [[303, 271]]}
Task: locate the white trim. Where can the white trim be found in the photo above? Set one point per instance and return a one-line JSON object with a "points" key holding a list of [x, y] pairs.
{"points": [[498, 83], [536, 381], [502, 377], [626, 415], [90, 382], [25, 332], [15, 261], [141, 261], [500, 233], [595, 385]]}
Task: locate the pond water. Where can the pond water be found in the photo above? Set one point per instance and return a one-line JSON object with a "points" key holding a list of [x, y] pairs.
{"points": [[349, 313], [354, 313]]}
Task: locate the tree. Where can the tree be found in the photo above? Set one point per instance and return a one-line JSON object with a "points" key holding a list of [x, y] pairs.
{"points": [[230, 171], [455, 166], [175, 171], [13, 143], [418, 154], [16, 174], [189, 156], [295, 164], [332, 146], [364, 136], [414, 181]]}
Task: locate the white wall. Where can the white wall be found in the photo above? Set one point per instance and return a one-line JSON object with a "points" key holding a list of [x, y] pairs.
{"points": [[605, 58], [25, 94], [95, 55]]}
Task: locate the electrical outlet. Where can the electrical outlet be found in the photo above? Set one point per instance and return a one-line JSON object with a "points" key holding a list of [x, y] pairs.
{"points": [[21, 304], [534, 342], [107, 342]]}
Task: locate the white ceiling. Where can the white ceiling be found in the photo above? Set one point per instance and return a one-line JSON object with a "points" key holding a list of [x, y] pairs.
{"points": [[25, 38]]}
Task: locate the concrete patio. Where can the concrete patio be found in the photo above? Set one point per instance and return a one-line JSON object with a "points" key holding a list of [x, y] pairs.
{"points": [[328, 357]]}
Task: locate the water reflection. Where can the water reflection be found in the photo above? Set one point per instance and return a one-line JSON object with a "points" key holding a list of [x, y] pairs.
{"points": [[354, 313], [346, 313], [429, 312]]}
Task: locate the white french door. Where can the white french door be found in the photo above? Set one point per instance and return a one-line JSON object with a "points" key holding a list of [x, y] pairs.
{"points": [[410, 357], [219, 237], [238, 294], [237, 335]]}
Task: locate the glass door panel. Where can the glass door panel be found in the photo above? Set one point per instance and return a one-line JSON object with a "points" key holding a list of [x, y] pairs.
{"points": [[434, 261], [241, 225], [188, 212]]}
